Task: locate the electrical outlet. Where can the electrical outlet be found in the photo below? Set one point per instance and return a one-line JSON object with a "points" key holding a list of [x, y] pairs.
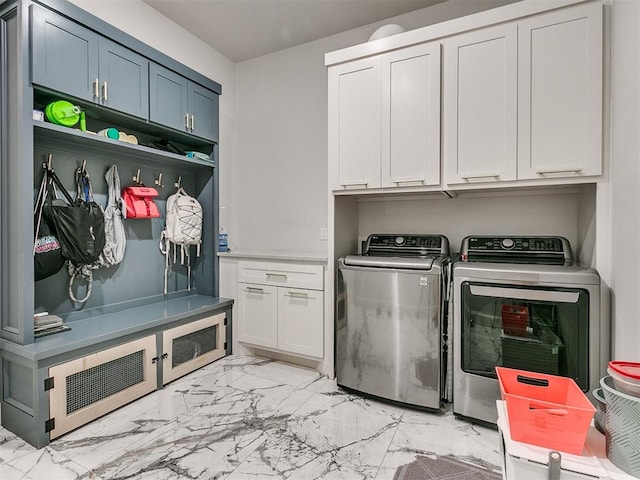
{"points": [[323, 233]]}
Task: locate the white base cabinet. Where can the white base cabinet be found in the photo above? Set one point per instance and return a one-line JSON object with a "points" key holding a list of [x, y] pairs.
{"points": [[258, 315], [300, 326], [281, 307]]}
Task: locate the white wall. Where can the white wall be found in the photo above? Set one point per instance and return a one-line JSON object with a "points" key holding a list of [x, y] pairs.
{"points": [[280, 194], [625, 178], [149, 26], [540, 213]]}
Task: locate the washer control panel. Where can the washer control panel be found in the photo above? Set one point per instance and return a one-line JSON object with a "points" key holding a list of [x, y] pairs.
{"points": [[406, 245]]}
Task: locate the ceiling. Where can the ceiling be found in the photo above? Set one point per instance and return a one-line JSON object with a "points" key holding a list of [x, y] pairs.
{"points": [[244, 29]]}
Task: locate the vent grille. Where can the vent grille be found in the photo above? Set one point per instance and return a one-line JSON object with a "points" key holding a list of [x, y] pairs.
{"points": [[94, 384], [193, 345]]}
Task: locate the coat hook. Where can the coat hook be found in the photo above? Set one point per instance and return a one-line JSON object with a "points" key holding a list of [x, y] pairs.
{"points": [[158, 181], [137, 177], [178, 184], [49, 165], [84, 167]]}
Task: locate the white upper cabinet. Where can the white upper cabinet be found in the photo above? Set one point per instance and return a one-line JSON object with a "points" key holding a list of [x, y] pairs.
{"points": [[560, 93], [384, 120], [520, 103], [480, 106], [354, 124], [411, 116], [523, 101]]}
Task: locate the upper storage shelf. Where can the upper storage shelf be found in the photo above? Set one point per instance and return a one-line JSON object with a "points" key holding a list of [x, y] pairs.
{"points": [[89, 141], [75, 61]]}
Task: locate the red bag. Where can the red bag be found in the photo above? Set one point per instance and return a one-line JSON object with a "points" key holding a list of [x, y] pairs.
{"points": [[139, 202]]}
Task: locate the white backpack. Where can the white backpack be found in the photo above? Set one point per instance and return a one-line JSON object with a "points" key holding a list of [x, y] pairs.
{"points": [[183, 229]]}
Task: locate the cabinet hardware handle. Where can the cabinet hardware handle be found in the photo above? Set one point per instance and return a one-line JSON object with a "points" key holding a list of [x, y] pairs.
{"points": [[104, 91], [400, 181], [96, 86], [364, 183], [193, 122], [271, 274], [479, 177], [299, 295], [254, 290], [567, 170], [186, 121]]}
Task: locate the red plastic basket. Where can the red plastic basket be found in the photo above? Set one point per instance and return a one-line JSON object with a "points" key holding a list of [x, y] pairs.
{"points": [[545, 410], [515, 319]]}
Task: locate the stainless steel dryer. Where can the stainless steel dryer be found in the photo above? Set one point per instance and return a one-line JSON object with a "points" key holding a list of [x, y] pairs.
{"points": [[390, 319], [522, 302]]}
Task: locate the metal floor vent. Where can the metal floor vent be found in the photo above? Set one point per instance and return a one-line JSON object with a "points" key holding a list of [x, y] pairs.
{"points": [[193, 345], [93, 384]]}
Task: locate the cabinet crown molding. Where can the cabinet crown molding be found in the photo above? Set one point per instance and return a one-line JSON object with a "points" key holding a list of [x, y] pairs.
{"points": [[447, 28]]}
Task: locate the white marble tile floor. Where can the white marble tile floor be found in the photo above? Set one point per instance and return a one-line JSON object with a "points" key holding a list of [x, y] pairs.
{"points": [[245, 417]]}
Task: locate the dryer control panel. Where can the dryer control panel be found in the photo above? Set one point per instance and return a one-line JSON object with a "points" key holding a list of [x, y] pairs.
{"points": [[535, 249]]}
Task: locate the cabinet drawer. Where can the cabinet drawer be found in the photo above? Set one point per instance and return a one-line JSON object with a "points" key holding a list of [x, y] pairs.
{"points": [[281, 274]]}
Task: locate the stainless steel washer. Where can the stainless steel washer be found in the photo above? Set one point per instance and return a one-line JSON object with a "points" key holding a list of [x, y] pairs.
{"points": [[522, 302], [391, 319]]}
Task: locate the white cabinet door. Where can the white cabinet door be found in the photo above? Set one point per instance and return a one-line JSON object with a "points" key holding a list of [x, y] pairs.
{"points": [[258, 315], [480, 102], [300, 327], [560, 93], [411, 116], [354, 125]]}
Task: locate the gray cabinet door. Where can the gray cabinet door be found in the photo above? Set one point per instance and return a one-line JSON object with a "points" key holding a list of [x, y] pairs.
{"points": [[179, 103], [168, 98], [203, 105], [124, 79], [64, 54]]}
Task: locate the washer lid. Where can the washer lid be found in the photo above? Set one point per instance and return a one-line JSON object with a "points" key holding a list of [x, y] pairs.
{"points": [[409, 263]]}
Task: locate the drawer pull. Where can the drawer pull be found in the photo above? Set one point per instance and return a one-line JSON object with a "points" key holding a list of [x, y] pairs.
{"points": [[575, 171], [254, 290], [362, 183], [400, 181], [302, 295], [281, 275], [480, 177]]}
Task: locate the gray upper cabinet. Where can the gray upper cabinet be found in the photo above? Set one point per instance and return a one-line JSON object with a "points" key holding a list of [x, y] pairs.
{"points": [[124, 79], [64, 54], [73, 60], [179, 103], [203, 103]]}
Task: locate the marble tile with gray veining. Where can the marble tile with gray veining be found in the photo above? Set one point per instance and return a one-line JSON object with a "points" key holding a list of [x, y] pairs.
{"points": [[247, 417]]}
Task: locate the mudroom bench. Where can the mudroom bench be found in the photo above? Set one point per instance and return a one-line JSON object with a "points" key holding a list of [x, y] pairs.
{"points": [[108, 359]]}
